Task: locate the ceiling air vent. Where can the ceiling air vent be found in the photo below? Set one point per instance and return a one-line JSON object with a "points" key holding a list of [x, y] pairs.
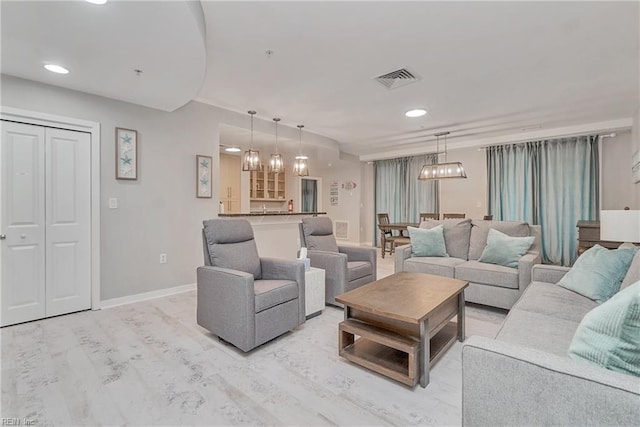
{"points": [[398, 78]]}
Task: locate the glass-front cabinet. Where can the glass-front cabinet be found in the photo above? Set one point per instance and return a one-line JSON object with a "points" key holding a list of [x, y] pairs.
{"points": [[267, 186]]}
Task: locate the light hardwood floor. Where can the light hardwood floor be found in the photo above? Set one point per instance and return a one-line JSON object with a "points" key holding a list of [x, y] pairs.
{"points": [[149, 363]]}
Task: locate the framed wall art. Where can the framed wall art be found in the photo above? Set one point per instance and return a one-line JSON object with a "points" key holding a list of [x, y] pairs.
{"points": [[635, 167], [126, 154], [203, 177]]}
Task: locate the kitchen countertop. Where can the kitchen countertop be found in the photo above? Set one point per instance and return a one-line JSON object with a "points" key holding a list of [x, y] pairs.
{"points": [[270, 214]]}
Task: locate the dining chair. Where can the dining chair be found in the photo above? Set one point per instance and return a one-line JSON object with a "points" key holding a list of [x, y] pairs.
{"points": [[453, 215], [386, 236], [488, 217], [427, 215]]}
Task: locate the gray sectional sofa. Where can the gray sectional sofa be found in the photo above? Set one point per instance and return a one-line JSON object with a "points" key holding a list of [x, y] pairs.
{"points": [[465, 239], [524, 376]]}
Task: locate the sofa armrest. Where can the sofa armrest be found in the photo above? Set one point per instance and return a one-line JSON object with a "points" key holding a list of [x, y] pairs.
{"points": [[226, 304], [525, 264], [284, 269], [355, 253], [506, 384], [401, 253], [548, 273]]}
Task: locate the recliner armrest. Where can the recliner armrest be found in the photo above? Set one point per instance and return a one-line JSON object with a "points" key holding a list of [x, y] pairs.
{"points": [[355, 253], [327, 260], [228, 282], [282, 269], [226, 304]]}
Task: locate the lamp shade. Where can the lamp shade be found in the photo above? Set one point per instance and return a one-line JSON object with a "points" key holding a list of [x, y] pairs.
{"points": [[442, 170], [620, 226]]}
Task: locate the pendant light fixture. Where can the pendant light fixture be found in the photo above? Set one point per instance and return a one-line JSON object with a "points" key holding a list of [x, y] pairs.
{"points": [[442, 170], [276, 164], [300, 165], [251, 158]]}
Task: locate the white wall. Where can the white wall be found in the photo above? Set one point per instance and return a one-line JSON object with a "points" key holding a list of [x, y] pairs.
{"points": [[617, 188], [469, 195], [635, 146], [159, 212], [348, 208]]}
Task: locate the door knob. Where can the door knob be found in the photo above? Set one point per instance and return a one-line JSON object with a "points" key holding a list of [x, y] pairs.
{"points": [[3, 236], [23, 236]]}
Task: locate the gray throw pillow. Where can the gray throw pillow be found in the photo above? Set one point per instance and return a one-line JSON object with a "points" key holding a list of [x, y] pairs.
{"points": [[480, 231], [633, 274], [456, 235]]}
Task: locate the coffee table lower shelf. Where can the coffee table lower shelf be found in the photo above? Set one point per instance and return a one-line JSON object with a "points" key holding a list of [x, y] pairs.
{"points": [[389, 353]]}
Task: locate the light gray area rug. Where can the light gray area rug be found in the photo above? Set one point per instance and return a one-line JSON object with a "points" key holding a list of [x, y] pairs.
{"points": [[150, 364]]}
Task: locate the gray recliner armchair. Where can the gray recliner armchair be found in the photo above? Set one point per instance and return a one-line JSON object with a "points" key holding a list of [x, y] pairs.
{"points": [[242, 298], [346, 267]]}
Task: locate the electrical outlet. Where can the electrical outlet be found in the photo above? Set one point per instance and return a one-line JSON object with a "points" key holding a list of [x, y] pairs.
{"points": [[113, 203], [163, 258]]}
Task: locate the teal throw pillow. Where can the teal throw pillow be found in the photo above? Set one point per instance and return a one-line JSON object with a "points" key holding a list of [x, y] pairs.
{"points": [[427, 242], [598, 273], [503, 249], [609, 335]]}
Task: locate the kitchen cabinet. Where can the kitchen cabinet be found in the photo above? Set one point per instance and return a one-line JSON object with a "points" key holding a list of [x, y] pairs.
{"points": [[230, 169]]}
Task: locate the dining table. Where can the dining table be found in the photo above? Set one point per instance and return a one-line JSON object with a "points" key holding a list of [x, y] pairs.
{"points": [[391, 227]]}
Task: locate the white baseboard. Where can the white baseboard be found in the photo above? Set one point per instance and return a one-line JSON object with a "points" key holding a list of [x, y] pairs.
{"points": [[130, 299]]}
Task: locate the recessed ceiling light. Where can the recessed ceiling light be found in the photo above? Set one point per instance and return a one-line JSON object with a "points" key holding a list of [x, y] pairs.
{"points": [[56, 69], [96, 1], [232, 150], [416, 113]]}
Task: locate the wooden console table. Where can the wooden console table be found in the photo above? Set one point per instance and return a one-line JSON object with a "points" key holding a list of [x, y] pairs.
{"points": [[589, 235]]}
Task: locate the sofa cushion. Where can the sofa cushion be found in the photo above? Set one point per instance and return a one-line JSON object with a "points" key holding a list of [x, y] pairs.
{"points": [[555, 301], [633, 274], [609, 335], [433, 265], [538, 331], [456, 235], [487, 274], [358, 269], [231, 245], [598, 273], [318, 234], [480, 231], [505, 250], [270, 293], [427, 242]]}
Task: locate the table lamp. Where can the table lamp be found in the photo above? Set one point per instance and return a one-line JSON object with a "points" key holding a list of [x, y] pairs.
{"points": [[620, 226]]}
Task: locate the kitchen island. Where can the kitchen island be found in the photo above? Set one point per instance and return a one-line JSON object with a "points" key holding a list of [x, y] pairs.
{"points": [[276, 232]]}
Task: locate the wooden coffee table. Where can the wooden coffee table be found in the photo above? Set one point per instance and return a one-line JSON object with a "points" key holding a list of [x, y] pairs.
{"points": [[404, 324]]}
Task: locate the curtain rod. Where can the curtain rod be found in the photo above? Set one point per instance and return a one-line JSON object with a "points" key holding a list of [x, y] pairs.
{"points": [[606, 135]]}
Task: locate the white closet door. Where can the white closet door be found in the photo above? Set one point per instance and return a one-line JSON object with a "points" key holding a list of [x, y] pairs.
{"points": [[22, 224], [68, 218]]}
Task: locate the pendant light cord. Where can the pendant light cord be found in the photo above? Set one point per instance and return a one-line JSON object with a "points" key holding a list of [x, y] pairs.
{"points": [[252, 113], [300, 127], [276, 120]]}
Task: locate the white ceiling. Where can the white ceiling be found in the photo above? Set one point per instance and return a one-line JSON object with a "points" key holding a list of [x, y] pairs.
{"points": [[102, 45], [487, 68]]}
